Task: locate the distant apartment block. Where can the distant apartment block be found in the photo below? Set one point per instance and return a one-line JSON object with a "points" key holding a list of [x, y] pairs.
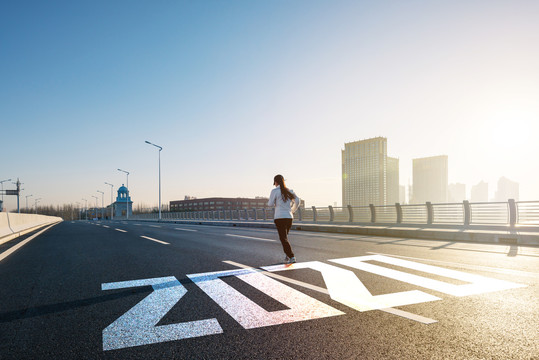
{"points": [[368, 175], [479, 192], [430, 179], [457, 192], [207, 204], [392, 181], [506, 190]]}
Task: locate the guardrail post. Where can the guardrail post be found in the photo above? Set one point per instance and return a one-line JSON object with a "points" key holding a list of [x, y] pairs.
{"points": [[314, 214], [255, 217], [512, 212], [300, 217], [430, 212], [373, 213], [350, 213], [398, 208], [331, 213], [467, 212], [265, 216]]}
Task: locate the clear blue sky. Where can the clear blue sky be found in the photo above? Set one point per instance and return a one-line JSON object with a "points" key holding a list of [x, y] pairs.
{"points": [[237, 91]]}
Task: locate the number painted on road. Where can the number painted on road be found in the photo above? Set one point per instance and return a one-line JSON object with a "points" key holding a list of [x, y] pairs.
{"points": [[250, 315], [477, 284], [344, 286], [138, 325]]}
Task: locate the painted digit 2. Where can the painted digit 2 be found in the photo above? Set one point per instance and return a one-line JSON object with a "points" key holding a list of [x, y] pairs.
{"points": [[138, 325]]}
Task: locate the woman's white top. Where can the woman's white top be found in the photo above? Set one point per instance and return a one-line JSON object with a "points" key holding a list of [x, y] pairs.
{"points": [[283, 209]]}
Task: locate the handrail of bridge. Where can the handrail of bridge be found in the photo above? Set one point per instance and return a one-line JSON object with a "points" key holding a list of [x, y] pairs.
{"points": [[508, 213]]}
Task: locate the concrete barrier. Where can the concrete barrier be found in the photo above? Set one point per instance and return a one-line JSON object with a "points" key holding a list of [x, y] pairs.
{"points": [[14, 225]]}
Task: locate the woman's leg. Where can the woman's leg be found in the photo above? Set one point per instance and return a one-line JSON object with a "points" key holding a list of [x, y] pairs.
{"points": [[283, 226]]}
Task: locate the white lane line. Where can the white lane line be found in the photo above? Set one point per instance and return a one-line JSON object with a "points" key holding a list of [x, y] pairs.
{"points": [[401, 313], [155, 226], [137, 224], [152, 239], [120, 230], [469, 266], [11, 250], [250, 237], [105, 226], [185, 229]]}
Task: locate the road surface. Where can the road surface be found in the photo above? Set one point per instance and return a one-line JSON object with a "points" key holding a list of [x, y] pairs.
{"points": [[135, 290]]}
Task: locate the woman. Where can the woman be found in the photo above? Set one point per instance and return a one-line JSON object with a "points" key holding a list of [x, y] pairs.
{"points": [[282, 198]]}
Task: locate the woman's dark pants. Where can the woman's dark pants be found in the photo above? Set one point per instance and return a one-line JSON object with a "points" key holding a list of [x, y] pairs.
{"points": [[283, 227]]}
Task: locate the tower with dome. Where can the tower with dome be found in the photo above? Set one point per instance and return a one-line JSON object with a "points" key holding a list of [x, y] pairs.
{"points": [[123, 203]]}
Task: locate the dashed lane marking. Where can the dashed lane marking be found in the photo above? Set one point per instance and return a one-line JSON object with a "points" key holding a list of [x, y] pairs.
{"points": [[155, 226], [120, 230], [250, 237], [152, 239], [185, 229]]}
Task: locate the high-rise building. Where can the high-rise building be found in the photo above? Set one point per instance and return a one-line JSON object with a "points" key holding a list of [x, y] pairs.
{"points": [[392, 181], [457, 192], [430, 179], [506, 190], [479, 192], [365, 172]]}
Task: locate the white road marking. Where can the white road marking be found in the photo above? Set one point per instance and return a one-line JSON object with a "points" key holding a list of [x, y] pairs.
{"points": [[155, 226], [250, 237], [469, 266], [397, 312], [247, 313], [105, 226], [14, 248], [185, 229], [152, 239], [120, 230], [476, 284], [138, 326]]}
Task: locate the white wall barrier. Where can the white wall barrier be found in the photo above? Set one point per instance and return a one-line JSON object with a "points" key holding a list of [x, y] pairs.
{"points": [[13, 225]]}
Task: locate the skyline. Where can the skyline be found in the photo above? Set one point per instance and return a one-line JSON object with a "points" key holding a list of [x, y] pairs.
{"points": [[236, 92]]}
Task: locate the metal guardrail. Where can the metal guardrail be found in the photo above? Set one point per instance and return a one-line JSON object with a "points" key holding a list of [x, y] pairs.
{"points": [[508, 213]]}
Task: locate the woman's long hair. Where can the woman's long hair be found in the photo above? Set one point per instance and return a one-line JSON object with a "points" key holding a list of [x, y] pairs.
{"points": [[285, 193]]}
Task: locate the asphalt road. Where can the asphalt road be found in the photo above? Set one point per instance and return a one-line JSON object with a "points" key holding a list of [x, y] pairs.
{"points": [[84, 290]]}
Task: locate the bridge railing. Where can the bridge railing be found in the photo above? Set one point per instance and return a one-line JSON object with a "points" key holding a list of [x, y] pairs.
{"points": [[508, 213]]}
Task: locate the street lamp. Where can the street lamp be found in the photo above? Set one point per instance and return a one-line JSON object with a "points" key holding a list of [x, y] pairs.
{"points": [[86, 208], [102, 203], [78, 209], [35, 203], [27, 196], [160, 148], [96, 200], [111, 204], [127, 195]]}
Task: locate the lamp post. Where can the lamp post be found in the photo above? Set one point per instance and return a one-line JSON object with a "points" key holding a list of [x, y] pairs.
{"points": [[35, 203], [86, 208], [127, 195], [96, 200], [160, 148], [27, 196], [111, 204], [102, 204], [78, 209]]}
